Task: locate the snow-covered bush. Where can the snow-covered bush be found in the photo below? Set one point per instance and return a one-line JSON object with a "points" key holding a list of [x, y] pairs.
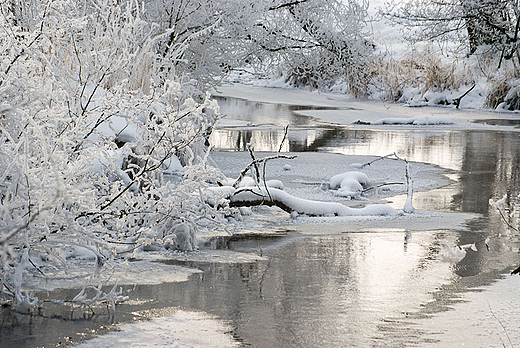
{"points": [[91, 110]]}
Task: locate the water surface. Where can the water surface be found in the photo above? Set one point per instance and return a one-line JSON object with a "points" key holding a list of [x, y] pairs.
{"points": [[369, 288]]}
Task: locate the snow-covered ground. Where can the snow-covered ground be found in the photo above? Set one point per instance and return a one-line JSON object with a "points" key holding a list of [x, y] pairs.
{"points": [[181, 329], [309, 171], [487, 317]]}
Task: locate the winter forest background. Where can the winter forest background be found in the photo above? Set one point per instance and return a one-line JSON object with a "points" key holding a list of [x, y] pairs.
{"points": [[105, 107]]}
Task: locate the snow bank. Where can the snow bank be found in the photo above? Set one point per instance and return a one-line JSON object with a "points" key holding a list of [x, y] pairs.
{"points": [[415, 121], [182, 329], [341, 109], [121, 273]]}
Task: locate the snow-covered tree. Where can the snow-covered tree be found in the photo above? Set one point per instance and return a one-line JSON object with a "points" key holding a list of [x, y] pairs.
{"points": [[99, 98], [490, 24], [91, 115], [321, 42], [312, 42]]}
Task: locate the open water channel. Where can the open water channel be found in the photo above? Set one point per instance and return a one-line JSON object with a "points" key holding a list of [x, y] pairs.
{"points": [[369, 288]]}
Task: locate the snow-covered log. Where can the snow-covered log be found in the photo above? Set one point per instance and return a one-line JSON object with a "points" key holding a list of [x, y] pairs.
{"points": [[291, 204]]}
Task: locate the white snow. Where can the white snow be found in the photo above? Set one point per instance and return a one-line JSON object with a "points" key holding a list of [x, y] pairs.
{"points": [[183, 329], [416, 121], [173, 165], [408, 205], [310, 207], [338, 180], [452, 254], [486, 317], [349, 188], [120, 273]]}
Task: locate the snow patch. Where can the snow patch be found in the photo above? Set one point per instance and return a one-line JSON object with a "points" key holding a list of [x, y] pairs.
{"points": [[415, 121], [182, 329]]}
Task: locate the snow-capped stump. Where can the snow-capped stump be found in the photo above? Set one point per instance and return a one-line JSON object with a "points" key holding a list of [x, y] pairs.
{"points": [[337, 181], [349, 185]]}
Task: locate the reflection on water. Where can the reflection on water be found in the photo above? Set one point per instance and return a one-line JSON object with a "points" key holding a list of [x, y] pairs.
{"points": [[501, 122], [261, 113], [258, 113], [324, 291], [324, 283], [362, 289], [312, 292]]}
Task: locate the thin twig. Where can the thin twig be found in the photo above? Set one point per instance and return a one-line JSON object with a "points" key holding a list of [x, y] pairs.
{"points": [[381, 185], [265, 182], [257, 170], [379, 159], [284, 138], [501, 324], [255, 162], [507, 222]]}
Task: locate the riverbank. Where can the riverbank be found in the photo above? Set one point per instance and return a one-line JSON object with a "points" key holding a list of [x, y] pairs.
{"points": [[346, 111]]}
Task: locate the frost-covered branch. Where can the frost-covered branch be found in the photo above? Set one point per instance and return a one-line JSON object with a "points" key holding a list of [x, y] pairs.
{"points": [[255, 163], [90, 120]]}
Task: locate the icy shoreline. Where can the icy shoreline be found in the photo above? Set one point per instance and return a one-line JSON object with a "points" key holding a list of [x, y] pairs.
{"points": [[346, 111]]}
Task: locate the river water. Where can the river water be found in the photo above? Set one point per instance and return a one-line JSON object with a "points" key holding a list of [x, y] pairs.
{"points": [[369, 288]]}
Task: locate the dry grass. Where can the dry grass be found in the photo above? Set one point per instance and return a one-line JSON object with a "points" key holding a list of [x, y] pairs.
{"points": [[504, 89], [421, 70], [497, 93]]}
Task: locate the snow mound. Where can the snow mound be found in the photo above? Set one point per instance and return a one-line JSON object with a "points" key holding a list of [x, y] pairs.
{"points": [[350, 188], [414, 121], [349, 184], [348, 178]]}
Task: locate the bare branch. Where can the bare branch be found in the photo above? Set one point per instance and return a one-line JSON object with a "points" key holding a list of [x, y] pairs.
{"points": [[256, 162]]}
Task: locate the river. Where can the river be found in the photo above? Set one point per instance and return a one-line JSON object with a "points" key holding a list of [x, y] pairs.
{"points": [[369, 287]]}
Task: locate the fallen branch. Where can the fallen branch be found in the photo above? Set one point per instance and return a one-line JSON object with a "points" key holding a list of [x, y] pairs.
{"points": [[291, 204]]}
